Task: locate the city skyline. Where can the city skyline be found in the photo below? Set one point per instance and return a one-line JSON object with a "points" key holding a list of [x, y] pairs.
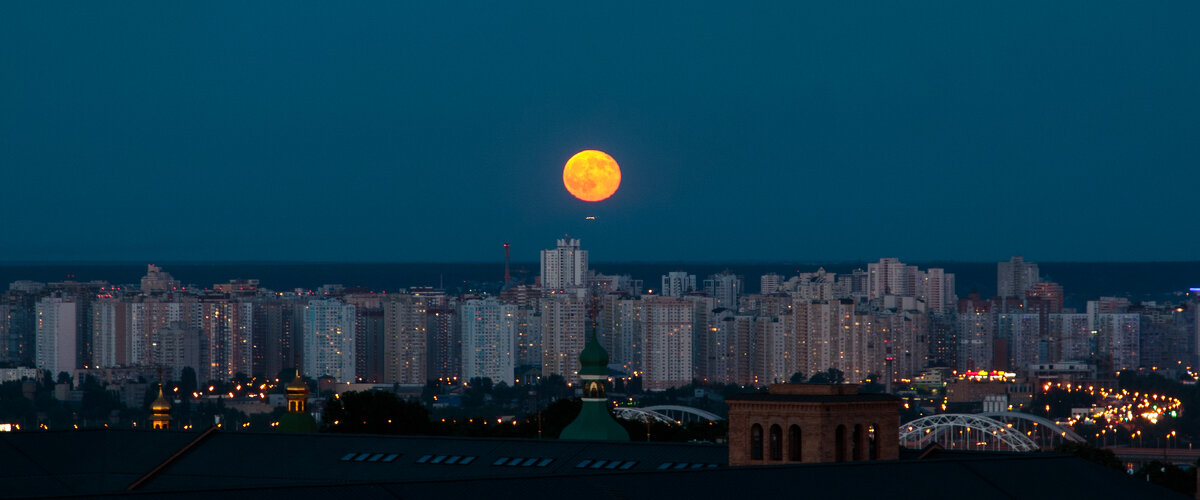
{"points": [[791, 132]]}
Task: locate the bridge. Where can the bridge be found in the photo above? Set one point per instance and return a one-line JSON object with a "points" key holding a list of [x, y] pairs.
{"points": [[1000, 431], [667, 414]]}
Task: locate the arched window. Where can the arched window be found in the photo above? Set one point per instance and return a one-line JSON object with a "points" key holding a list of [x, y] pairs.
{"points": [[873, 442], [756, 442], [794, 444], [776, 443], [839, 444], [857, 443]]}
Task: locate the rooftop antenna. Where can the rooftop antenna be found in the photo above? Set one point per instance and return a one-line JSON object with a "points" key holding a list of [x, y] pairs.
{"points": [[507, 276]]}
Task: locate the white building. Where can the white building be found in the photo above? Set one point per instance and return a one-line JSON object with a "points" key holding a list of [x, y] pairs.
{"points": [[1118, 339], [56, 334], [769, 283], [110, 333], [678, 284], [565, 266], [889, 276], [1015, 276], [488, 334], [564, 332], [226, 328], [725, 288], [937, 289], [405, 340], [329, 339], [148, 317], [668, 346]]}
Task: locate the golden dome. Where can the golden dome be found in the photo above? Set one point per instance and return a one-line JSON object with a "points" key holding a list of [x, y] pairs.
{"points": [[160, 406], [297, 386]]}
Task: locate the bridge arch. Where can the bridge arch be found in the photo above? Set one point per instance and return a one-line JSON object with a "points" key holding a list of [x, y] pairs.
{"points": [[964, 432], [667, 414], [1042, 430]]}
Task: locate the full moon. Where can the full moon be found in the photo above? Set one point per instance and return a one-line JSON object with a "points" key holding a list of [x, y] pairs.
{"points": [[592, 175]]}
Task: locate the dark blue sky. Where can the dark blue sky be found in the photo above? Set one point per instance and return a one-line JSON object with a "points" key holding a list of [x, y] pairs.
{"points": [[349, 131]]}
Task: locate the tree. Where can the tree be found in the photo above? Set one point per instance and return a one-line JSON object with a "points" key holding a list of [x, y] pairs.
{"points": [[64, 378], [797, 378], [554, 386], [429, 392], [829, 376], [1169, 476], [872, 385], [1102, 456], [187, 382], [375, 412]]}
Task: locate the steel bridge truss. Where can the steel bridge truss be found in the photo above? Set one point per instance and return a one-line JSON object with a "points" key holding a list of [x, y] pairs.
{"points": [[964, 432], [667, 414]]}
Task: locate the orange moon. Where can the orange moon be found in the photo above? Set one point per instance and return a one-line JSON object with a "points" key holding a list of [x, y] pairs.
{"points": [[592, 175]]}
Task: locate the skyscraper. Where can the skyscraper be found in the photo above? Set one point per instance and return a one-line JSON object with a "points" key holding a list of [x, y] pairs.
{"points": [[889, 276], [565, 266], [668, 347], [1015, 276], [227, 328], [937, 288], [329, 339], [677, 284], [488, 334], [564, 322], [110, 332], [56, 334], [726, 288], [405, 348]]}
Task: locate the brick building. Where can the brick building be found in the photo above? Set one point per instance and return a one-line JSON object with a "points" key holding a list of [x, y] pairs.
{"points": [[812, 423]]}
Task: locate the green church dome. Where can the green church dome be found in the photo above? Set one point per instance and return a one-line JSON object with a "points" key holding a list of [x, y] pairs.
{"points": [[594, 423], [594, 359]]}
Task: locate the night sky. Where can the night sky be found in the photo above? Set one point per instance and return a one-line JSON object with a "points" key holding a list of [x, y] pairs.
{"points": [[436, 131]]}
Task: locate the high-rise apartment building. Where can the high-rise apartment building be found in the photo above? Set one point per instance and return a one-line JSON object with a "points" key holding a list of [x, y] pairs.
{"points": [[158, 281], [677, 284], [110, 332], [329, 339], [976, 331], [18, 322], [889, 276], [368, 330], [564, 332], [937, 289], [444, 344], [405, 339], [488, 334], [726, 288], [1071, 337], [1015, 276], [565, 266], [149, 315], [1118, 339], [226, 328], [278, 328], [668, 345], [56, 330], [769, 283]]}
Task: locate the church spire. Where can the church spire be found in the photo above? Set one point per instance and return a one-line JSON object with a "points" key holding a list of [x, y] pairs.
{"points": [[160, 412], [594, 421], [297, 418]]}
